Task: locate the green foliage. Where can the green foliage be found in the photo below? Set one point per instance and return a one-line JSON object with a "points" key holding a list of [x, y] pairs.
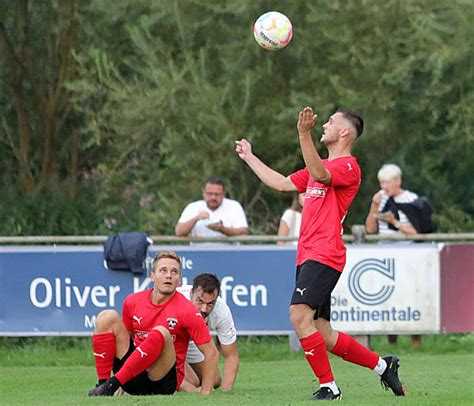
{"points": [[162, 89], [53, 212]]}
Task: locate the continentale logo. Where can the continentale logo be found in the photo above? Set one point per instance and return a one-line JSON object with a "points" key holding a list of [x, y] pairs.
{"points": [[359, 289]]}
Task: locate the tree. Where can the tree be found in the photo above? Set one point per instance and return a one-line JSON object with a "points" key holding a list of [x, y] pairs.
{"points": [[35, 46], [160, 91]]}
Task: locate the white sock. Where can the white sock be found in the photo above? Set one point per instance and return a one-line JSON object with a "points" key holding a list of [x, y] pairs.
{"points": [[331, 385], [380, 367]]}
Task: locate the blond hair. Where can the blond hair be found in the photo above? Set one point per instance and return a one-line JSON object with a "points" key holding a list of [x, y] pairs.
{"points": [[166, 254], [389, 172]]}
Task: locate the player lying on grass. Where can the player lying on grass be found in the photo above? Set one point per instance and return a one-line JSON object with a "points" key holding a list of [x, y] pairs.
{"points": [[329, 185], [205, 296], [146, 348]]}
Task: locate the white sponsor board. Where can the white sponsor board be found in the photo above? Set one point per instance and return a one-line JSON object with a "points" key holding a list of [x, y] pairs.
{"points": [[388, 290]]}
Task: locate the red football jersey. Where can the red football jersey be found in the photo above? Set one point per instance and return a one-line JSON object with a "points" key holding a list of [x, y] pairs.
{"points": [[324, 210], [178, 315]]}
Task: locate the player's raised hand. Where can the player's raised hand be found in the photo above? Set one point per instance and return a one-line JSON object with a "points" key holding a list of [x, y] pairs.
{"points": [[306, 121], [243, 149]]}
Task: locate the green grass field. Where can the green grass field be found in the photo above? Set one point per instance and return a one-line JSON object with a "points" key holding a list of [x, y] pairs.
{"points": [[60, 371]]}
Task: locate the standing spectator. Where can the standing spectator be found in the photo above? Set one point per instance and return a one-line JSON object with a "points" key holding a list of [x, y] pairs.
{"points": [[386, 218], [216, 313], [290, 221], [214, 216], [330, 186]]}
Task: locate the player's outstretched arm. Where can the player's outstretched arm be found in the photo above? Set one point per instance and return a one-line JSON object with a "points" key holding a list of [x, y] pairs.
{"points": [[267, 175], [209, 368], [306, 121], [231, 365]]}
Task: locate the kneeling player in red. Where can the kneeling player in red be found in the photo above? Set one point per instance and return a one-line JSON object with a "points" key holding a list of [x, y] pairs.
{"points": [[146, 348]]}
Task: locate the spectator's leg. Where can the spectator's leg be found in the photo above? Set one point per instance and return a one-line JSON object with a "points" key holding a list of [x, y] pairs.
{"points": [[416, 340], [392, 338]]}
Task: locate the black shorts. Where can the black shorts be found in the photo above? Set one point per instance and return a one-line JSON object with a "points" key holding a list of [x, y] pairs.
{"points": [[314, 285], [142, 385]]}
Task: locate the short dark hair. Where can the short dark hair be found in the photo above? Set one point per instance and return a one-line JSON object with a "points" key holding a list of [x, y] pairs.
{"points": [[207, 282], [215, 180], [355, 119]]}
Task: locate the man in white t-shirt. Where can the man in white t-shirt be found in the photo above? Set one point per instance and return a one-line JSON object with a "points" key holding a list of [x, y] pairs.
{"points": [[205, 296], [214, 216]]}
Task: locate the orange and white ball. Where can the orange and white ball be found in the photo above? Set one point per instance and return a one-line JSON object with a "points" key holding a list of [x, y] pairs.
{"points": [[273, 30]]}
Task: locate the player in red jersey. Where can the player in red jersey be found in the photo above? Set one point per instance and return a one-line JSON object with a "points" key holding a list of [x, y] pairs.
{"points": [[330, 185], [146, 348]]}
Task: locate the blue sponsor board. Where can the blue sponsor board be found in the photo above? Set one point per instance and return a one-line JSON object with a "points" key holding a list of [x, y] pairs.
{"points": [[60, 290]]}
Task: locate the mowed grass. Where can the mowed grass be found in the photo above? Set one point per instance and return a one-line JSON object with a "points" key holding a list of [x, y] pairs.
{"points": [[40, 373]]}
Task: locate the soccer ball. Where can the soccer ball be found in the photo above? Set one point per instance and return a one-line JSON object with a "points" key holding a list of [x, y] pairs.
{"points": [[273, 31]]}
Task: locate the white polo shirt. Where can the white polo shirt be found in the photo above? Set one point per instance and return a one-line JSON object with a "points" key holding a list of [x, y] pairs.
{"points": [[230, 212]]}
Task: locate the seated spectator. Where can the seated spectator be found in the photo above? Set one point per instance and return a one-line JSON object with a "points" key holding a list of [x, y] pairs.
{"points": [[290, 221], [385, 217], [214, 216]]}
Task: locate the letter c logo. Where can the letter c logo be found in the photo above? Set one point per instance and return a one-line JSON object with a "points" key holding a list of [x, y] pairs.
{"points": [[386, 267]]}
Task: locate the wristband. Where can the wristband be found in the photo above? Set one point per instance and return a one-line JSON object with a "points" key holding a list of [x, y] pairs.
{"points": [[397, 224]]}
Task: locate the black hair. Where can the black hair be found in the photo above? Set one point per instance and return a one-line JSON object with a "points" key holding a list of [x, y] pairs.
{"points": [[355, 119], [209, 283], [215, 180]]}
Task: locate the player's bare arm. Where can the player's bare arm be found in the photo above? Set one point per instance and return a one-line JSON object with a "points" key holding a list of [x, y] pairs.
{"points": [[267, 175], [211, 357], [191, 382], [231, 365], [306, 121]]}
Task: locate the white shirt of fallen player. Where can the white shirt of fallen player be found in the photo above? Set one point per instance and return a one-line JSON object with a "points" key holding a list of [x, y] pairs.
{"points": [[219, 321], [404, 197], [230, 212]]}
